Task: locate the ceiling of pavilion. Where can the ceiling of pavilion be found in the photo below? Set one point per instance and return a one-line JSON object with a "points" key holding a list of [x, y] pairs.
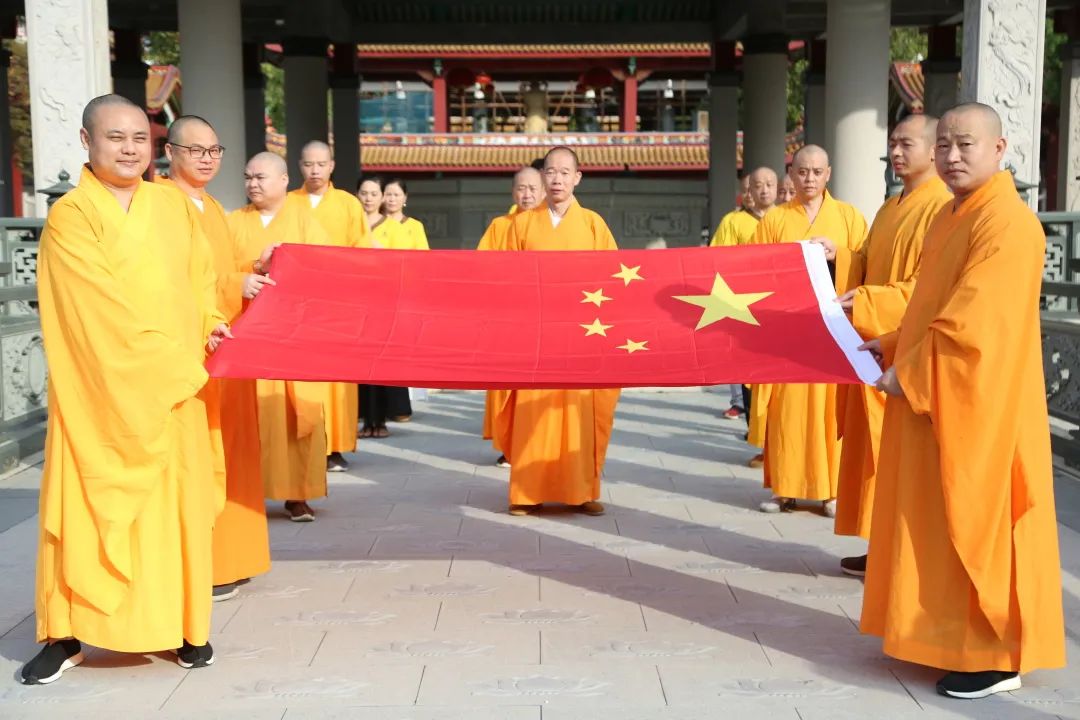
{"points": [[522, 21]]}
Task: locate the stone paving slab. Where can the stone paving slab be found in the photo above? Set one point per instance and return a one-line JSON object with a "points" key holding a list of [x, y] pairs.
{"points": [[414, 596]]}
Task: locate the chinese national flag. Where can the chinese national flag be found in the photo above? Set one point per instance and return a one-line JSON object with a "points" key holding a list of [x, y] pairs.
{"points": [[467, 319]]}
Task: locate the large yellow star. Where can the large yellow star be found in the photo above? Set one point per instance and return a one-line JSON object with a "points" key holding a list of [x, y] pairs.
{"points": [[722, 303], [597, 298], [597, 328], [627, 274], [632, 347]]}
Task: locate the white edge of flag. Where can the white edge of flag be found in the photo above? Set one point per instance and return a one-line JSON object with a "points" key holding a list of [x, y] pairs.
{"points": [[836, 320]]}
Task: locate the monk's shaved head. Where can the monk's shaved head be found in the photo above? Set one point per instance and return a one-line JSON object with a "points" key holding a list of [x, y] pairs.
{"points": [[986, 115], [969, 147], [528, 190], [270, 162], [762, 189], [806, 152], [94, 108], [317, 146], [528, 173], [762, 173], [561, 150], [911, 150], [180, 125], [921, 124], [562, 173]]}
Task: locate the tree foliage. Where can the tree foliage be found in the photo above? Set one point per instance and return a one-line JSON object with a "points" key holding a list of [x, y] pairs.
{"points": [[161, 48], [274, 93], [18, 100]]}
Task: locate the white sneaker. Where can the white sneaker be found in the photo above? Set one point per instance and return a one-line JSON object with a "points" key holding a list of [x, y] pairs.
{"points": [[777, 504], [829, 508]]}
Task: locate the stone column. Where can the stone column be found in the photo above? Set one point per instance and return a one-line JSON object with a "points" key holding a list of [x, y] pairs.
{"points": [[128, 69], [723, 129], [345, 86], [68, 54], [1068, 194], [856, 100], [814, 103], [941, 71], [211, 67], [1003, 68], [254, 100], [306, 87], [765, 64]]}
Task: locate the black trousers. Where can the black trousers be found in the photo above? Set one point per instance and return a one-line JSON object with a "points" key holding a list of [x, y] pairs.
{"points": [[378, 402], [746, 403]]}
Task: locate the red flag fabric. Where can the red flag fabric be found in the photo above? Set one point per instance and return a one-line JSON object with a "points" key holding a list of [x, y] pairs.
{"points": [[488, 320]]}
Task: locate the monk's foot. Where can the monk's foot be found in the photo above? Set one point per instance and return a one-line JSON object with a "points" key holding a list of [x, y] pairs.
{"points": [[854, 566], [974, 685], [366, 432], [757, 461], [380, 432], [520, 510], [299, 511], [777, 504], [335, 462], [828, 508], [225, 592], [502, 462], [592, 508], [49, 664], [194, 656]]}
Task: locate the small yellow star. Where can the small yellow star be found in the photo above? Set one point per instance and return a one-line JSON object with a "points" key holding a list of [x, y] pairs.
{"points": [[722, 303], [596, 328], [632, 347], [627, 274], [596, 298]]}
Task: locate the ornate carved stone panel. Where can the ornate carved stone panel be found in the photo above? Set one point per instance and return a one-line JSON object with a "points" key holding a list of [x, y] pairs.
{"points": [[651, 224]]}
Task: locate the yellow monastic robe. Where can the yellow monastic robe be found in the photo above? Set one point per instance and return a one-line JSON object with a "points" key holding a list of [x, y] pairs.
{"points": [[736, 228], [964, 571], [556, 440], [885, 268], [412, 236], [495, 238], [291, 428], [802, 447], [241, 540], [128, 495], [345, 222]]}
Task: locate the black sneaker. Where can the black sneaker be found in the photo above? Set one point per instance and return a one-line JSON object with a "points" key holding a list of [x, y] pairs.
{"points": [[190, 656], [299, 511], [854, 566], [49, 664], [225, 592], [502, 462], [974, 685], [335, 462]]}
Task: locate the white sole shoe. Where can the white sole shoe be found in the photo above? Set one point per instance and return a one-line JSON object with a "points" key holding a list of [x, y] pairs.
{"points": [[1006, 685], [71, 662]]}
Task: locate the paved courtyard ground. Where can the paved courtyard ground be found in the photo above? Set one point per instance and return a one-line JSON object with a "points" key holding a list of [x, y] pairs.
{"points": [[414, 596]]}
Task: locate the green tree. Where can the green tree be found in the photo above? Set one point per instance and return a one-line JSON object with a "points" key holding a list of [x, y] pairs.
{"points": [[907, 44], [161, 48], [1052, 64], [274, 95], [19, 103]]}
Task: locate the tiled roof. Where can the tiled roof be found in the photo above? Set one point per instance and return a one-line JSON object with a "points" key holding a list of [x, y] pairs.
{"points": [[161, 81], [908, 80]]}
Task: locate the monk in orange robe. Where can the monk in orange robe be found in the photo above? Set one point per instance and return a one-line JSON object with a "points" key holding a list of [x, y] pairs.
{"points": [[127, 303], [292, 431], [343, 218], [528, 192], [963, 572], [886, 266], [241, 540], [785, 191], [802, 448], [556, 440]]}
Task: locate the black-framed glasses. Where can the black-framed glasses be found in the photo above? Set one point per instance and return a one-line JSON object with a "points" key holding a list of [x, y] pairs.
{"points": [[198, 152]]}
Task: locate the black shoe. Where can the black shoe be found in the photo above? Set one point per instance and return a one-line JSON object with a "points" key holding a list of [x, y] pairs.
{"points": [[854, 566], [336, 463], [190, 656], [49, 664], [299, 511], [225, 592], [502, 462], [974, 685]]}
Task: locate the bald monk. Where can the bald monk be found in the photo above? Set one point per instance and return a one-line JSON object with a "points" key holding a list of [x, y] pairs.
{"points": [[127, 303], [963, 572], [528, 192], [885, 269], [785, 192], [345, 222], [291, 428], [802, 449], [737, 228], [556, 440], [241, 541]]}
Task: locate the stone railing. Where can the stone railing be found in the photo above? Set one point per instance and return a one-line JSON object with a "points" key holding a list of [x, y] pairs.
{"points": [[23, 403], [1061, 331]]}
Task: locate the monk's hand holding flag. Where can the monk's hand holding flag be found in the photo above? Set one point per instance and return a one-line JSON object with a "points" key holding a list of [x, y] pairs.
{"points": [[217, 335]]}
